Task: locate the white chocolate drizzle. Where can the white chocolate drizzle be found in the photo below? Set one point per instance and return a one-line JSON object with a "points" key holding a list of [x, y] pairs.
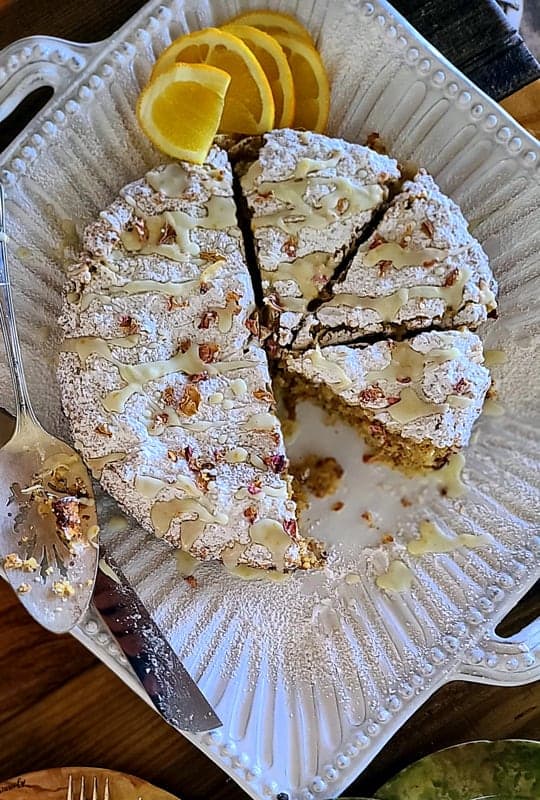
{"points": [[387, 306], [434, 540], [97, 464], [401, 257], [398, 578], [335, 374], [270, 534]]}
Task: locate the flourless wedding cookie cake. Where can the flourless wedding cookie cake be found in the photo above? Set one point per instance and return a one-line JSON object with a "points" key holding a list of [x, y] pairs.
{"points": [[164, 367]]}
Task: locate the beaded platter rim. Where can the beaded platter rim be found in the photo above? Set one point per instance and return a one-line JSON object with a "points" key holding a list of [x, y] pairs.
{"points": [[492, 659]]}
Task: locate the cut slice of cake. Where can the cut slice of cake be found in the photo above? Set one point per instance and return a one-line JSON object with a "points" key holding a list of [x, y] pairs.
{"points": [[309, 197], [167, 392], [414, 401], [420, 268]]}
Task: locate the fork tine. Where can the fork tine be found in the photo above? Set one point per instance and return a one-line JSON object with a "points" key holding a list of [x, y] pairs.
{"points": [[81, 795], [94, 788], [69, 795], [106, 792]]}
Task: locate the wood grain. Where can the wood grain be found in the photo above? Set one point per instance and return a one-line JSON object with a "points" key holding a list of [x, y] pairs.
{"points": [[52, 784], [59, 705], [525, 107]]}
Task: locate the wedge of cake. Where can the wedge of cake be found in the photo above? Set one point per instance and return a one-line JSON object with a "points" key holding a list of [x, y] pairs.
{"points": [[309, 197], [167, 391], [413, 401], [420, 268]]}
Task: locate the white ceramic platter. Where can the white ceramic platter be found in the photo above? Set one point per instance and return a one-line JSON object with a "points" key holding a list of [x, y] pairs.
{"points": [[312, 676]]}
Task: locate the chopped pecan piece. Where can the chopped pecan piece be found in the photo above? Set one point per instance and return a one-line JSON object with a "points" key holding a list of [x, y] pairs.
{"points": [[462, 386], [263, 395], [250, 513], [138, 224], [198, 377], [207, 352], [342, 205], [184, 345], [210, 256], [384, 267], [451, 278], [376, 241], [67, 512], [187, 402], [291, 527], [103, 429], [371, 394], [128, 323], [277, 463], [174, 302], [253, 326], [289, 247], [232, 299], [167, 234], [427, 228], [207, 318], [430, 263], [376, 429]]}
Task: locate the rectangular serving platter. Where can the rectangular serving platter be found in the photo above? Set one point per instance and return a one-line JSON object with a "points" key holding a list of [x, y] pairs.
{"points": [[312, 676]]}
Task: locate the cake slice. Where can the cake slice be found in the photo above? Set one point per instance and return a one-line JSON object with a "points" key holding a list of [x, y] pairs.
{"points": [[309, 197], [166, 390], [420, 268], [414, 401]]}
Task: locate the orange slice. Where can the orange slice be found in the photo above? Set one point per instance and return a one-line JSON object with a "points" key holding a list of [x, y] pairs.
{"points": [[272, 22], [272, 59], [311, 86], [249, 105], [181, 108]]}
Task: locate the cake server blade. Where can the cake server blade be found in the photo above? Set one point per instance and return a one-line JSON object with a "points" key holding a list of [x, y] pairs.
{"points": [[165, 680]]}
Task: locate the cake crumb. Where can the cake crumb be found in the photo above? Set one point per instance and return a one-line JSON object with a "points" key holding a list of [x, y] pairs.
{"points": [[338, 505], [63, 588], [387, 538], [405, 502], [191, 580], [30, 565], [24, 588], [12, 561], [368, 517], [316, 476]]}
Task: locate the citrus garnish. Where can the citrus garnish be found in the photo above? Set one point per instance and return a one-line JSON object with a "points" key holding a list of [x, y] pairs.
{"points": [[272, 22], [272, 59], [311, 87], [180, 109], [249, 105]]}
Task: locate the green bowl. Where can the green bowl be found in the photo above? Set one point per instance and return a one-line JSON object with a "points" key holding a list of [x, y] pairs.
{"points": [[503, 770]]}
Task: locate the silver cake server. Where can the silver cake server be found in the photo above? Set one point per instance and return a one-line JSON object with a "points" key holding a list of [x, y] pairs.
{"points": [[165, 680]]}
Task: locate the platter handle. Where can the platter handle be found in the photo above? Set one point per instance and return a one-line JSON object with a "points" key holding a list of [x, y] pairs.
{"points": [[511, 661], [36, 61]]}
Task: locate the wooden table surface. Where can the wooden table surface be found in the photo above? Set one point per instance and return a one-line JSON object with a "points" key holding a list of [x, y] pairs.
{"points": [[60, 706]]}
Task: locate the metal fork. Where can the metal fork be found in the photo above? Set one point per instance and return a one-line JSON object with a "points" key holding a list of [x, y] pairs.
{"points": [[72, 793]]}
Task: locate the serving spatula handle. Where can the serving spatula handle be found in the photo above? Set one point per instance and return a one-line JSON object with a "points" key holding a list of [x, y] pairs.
{"points": [[9, 327]]}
